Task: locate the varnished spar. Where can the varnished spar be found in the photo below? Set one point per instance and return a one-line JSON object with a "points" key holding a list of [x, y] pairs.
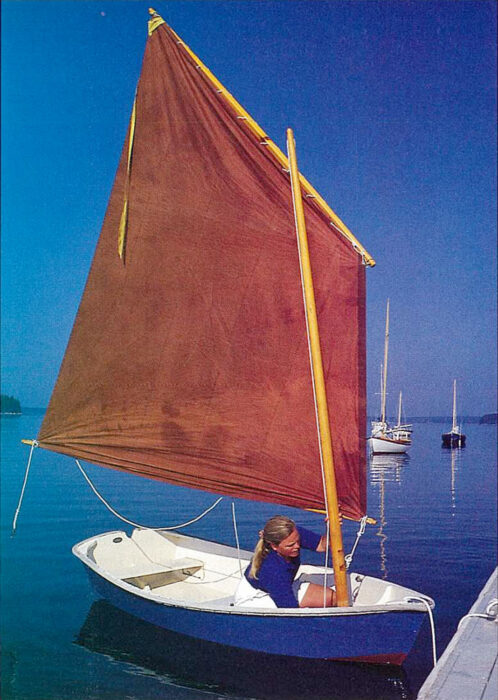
{"points": [[326, 452]]}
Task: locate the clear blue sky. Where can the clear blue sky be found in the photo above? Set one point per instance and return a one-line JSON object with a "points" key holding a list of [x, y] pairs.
{"points": [[393, 105]]}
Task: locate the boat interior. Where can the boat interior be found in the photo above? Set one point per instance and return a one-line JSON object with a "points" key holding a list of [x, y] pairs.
{"points": [[194, 571]]}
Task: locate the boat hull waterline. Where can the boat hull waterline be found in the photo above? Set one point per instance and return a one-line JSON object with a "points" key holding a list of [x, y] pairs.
{"points": [[385, 445], [381, 633], [453, 440]]}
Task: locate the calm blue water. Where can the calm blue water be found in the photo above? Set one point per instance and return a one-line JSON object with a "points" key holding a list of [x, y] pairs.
{"points": [[436, 532]]}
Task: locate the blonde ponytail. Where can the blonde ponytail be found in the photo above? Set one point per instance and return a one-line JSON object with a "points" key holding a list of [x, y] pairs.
{"points": [[276, 529]]}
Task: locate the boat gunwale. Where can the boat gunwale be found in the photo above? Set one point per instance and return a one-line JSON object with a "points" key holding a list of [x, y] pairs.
{"points": [[396, 441]]}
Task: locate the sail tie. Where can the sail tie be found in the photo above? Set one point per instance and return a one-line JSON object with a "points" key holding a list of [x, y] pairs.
{"points": [[130, 522], [34, 443]]}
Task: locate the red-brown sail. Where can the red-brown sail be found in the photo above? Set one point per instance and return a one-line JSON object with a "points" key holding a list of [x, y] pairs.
{"points": [[188, 361]]}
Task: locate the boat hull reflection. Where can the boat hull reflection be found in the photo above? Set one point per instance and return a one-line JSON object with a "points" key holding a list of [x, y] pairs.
{"points": [[190, 662]]}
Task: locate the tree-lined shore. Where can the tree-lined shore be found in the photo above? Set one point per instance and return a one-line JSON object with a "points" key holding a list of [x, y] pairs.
{"points": [[9, 404]]}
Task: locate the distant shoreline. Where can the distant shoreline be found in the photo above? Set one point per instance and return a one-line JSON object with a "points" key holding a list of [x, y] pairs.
{"points": [[25, 411], [485, 419]]}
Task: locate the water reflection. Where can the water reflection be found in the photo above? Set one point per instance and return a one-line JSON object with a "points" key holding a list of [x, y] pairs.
{"points": [[385, 468], [212, 668], [452, 458]]}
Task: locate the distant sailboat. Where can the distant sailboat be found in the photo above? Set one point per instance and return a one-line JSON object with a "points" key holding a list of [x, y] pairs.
{"points": [[189, 363], [401, 431], [384, 438], [455, 437]]}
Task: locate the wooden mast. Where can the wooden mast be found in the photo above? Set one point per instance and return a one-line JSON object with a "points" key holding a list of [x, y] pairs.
{"points": [[384, 377], [336, 546]]}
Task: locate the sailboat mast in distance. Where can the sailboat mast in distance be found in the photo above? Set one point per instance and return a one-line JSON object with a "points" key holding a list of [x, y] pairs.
{"points": [[454, 423], [384, 373]]}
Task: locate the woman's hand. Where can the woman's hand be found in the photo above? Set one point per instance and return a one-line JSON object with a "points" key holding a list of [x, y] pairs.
{"points": [[322, 545]]}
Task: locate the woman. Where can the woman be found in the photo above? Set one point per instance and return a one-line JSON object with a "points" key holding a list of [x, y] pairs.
{"points": [[269, 578]]}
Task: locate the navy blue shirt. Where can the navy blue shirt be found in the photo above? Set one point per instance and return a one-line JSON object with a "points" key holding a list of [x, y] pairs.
{"points": [[276, 575]]}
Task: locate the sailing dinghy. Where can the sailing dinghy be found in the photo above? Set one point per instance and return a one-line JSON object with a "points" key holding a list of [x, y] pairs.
{"points": [[189, 362]]}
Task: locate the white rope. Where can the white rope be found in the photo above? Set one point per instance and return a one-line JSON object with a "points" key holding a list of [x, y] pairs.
{"points": [[317, 420], [234, 574], [326, 566], [236, 537], [130, 522], [431, 620], [34, 444], [488, 615], [349, 557]]}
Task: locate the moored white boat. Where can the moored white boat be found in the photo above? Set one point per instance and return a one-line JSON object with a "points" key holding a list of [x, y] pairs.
{"points": [[390, 442], [386, 439]]}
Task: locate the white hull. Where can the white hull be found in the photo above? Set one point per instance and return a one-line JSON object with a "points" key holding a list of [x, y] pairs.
{"points": [[385, 445]]}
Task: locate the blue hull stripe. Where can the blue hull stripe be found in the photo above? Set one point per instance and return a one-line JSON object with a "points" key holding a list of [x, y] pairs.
{"points": [[390, 634]]}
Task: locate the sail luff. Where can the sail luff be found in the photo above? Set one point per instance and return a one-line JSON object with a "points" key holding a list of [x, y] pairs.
{"points": [[326, 451]]}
